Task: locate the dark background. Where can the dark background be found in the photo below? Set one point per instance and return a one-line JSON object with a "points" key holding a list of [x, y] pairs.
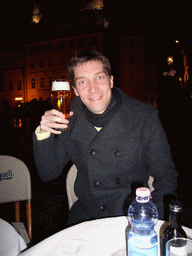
{"points": [[162, 22]]}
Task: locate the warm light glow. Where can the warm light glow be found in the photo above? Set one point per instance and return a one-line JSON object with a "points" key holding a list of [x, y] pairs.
{"points": [[36, 18], [170, 60], [176, 41], [96, 5], [36, 14], [18, 98]]}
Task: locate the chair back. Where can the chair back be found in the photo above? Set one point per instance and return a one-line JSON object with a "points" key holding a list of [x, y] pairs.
{"points": [[15, 186], [150, 183], [70, 180], [11, 243]]}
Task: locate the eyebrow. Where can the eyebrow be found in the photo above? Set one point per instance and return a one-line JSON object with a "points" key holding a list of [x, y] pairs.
{"points": [[82, 77]]}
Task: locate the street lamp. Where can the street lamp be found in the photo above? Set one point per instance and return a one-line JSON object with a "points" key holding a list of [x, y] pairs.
{"points": [[170, 60]]}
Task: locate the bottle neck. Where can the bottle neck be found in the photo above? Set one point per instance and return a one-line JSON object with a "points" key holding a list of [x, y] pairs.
{"points": [[174, 220], [142, 200]]}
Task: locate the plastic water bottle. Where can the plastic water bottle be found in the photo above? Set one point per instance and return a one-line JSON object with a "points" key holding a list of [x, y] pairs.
{"points": [[142, 215]]}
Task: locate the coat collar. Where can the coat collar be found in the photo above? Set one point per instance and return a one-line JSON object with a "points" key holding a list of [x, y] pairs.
{"points": [[85, 131]]}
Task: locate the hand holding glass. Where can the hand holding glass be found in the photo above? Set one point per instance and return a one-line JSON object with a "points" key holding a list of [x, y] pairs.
{"points": [[179, 247], [62, 97]]}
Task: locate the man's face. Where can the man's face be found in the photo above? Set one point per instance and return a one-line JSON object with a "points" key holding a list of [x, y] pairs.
{"points": [[93, 85]]}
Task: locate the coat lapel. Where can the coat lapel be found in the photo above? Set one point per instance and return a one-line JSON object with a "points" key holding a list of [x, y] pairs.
{"points": [[83, 130]]}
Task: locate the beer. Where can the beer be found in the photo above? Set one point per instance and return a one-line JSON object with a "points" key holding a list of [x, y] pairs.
{"points": [[62, 97]]}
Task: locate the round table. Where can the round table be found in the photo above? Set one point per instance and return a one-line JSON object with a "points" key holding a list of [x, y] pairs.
{"points": [[11, 243], [98, 237]]}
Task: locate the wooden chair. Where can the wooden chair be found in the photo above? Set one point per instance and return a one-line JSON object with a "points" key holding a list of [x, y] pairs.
{"points": [[15, 186]]}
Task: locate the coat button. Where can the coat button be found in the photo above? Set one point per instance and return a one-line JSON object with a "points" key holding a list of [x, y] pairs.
{"points": [[93, 152], [117, 180], [102, 208], [117, 153], [96, 183]]}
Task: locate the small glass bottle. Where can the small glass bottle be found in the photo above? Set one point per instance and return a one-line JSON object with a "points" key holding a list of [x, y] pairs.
{"points": [[174, 229]]}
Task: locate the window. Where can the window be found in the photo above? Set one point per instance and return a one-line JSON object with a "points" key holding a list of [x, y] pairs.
{"points": [[13, 63], [131, 42], [42, 82], [62, 61], [10, 86], [41, 63], [62, 44], [82, 42], [19, 85], [93, 41], [6, 63], [50, 47], [132, 58], [33, 86], [71, 44], [41, 48], [2, 86], [32, 49], [132, 78], [50, 81], [32, 64], [63, 77], [50, 63]]}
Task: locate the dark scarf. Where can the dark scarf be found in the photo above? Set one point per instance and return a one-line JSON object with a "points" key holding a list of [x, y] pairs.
{"points": [[99, 120]]}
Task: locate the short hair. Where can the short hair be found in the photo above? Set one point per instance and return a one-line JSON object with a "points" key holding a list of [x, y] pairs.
{"points": [[84, 57]]}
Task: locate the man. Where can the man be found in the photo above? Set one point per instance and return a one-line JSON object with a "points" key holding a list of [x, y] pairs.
{"points": [[115, 141]]}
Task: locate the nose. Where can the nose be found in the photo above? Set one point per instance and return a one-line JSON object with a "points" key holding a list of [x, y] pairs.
{"points": [[93, 87]]}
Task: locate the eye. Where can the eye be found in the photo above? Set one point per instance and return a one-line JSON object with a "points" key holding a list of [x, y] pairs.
{"points": [[100, 77], [82, 82]]}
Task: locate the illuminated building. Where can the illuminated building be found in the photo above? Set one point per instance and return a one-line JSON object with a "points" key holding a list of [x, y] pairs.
{"points": [[49, 46], [47, 61]]}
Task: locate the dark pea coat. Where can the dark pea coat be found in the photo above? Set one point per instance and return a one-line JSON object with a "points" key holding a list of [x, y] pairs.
{"points": [[111, 163]]}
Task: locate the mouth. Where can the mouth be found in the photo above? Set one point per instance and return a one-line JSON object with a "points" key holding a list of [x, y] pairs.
{"points": [[95, 98]]}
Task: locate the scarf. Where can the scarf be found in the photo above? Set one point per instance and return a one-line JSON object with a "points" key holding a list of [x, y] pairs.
{"points": [[99, 120]]}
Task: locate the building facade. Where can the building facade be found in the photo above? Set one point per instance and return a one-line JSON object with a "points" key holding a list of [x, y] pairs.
{"points": [[48, 60], [12, 75], [28, 73]]}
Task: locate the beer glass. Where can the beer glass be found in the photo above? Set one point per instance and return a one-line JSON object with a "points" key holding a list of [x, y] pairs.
{"points": [[62, 97], [179, 246]]}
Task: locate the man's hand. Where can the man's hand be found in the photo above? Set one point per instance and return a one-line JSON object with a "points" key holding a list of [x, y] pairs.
{"points": [[53, 119]]}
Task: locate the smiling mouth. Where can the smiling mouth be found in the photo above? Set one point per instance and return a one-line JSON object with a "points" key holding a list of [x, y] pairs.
{"points": [[95, 98]]}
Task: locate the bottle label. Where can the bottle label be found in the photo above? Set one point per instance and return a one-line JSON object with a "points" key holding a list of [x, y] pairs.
{"points": [[135, 251], [178, 251]]}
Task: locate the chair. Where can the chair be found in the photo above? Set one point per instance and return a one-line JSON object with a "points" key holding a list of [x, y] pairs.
{"points": [[70, 180], [15, 186], [150, 183], [11, 242]]}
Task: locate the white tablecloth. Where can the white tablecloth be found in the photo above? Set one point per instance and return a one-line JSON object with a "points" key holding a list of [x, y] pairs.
{"points": [[11, 243], [99, 237]]}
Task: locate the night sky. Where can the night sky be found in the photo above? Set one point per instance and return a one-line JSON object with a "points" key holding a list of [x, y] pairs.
{"points": [[159, 17]]}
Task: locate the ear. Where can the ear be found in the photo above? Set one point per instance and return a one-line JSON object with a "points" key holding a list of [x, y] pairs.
{"points": [[75, 91], [111, 81]]}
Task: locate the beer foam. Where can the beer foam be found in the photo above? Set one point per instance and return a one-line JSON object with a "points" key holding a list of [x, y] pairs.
{"points": [[60, 86]]}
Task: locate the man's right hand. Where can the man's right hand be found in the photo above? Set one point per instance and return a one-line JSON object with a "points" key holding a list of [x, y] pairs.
{"points": [[53, 119]]}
